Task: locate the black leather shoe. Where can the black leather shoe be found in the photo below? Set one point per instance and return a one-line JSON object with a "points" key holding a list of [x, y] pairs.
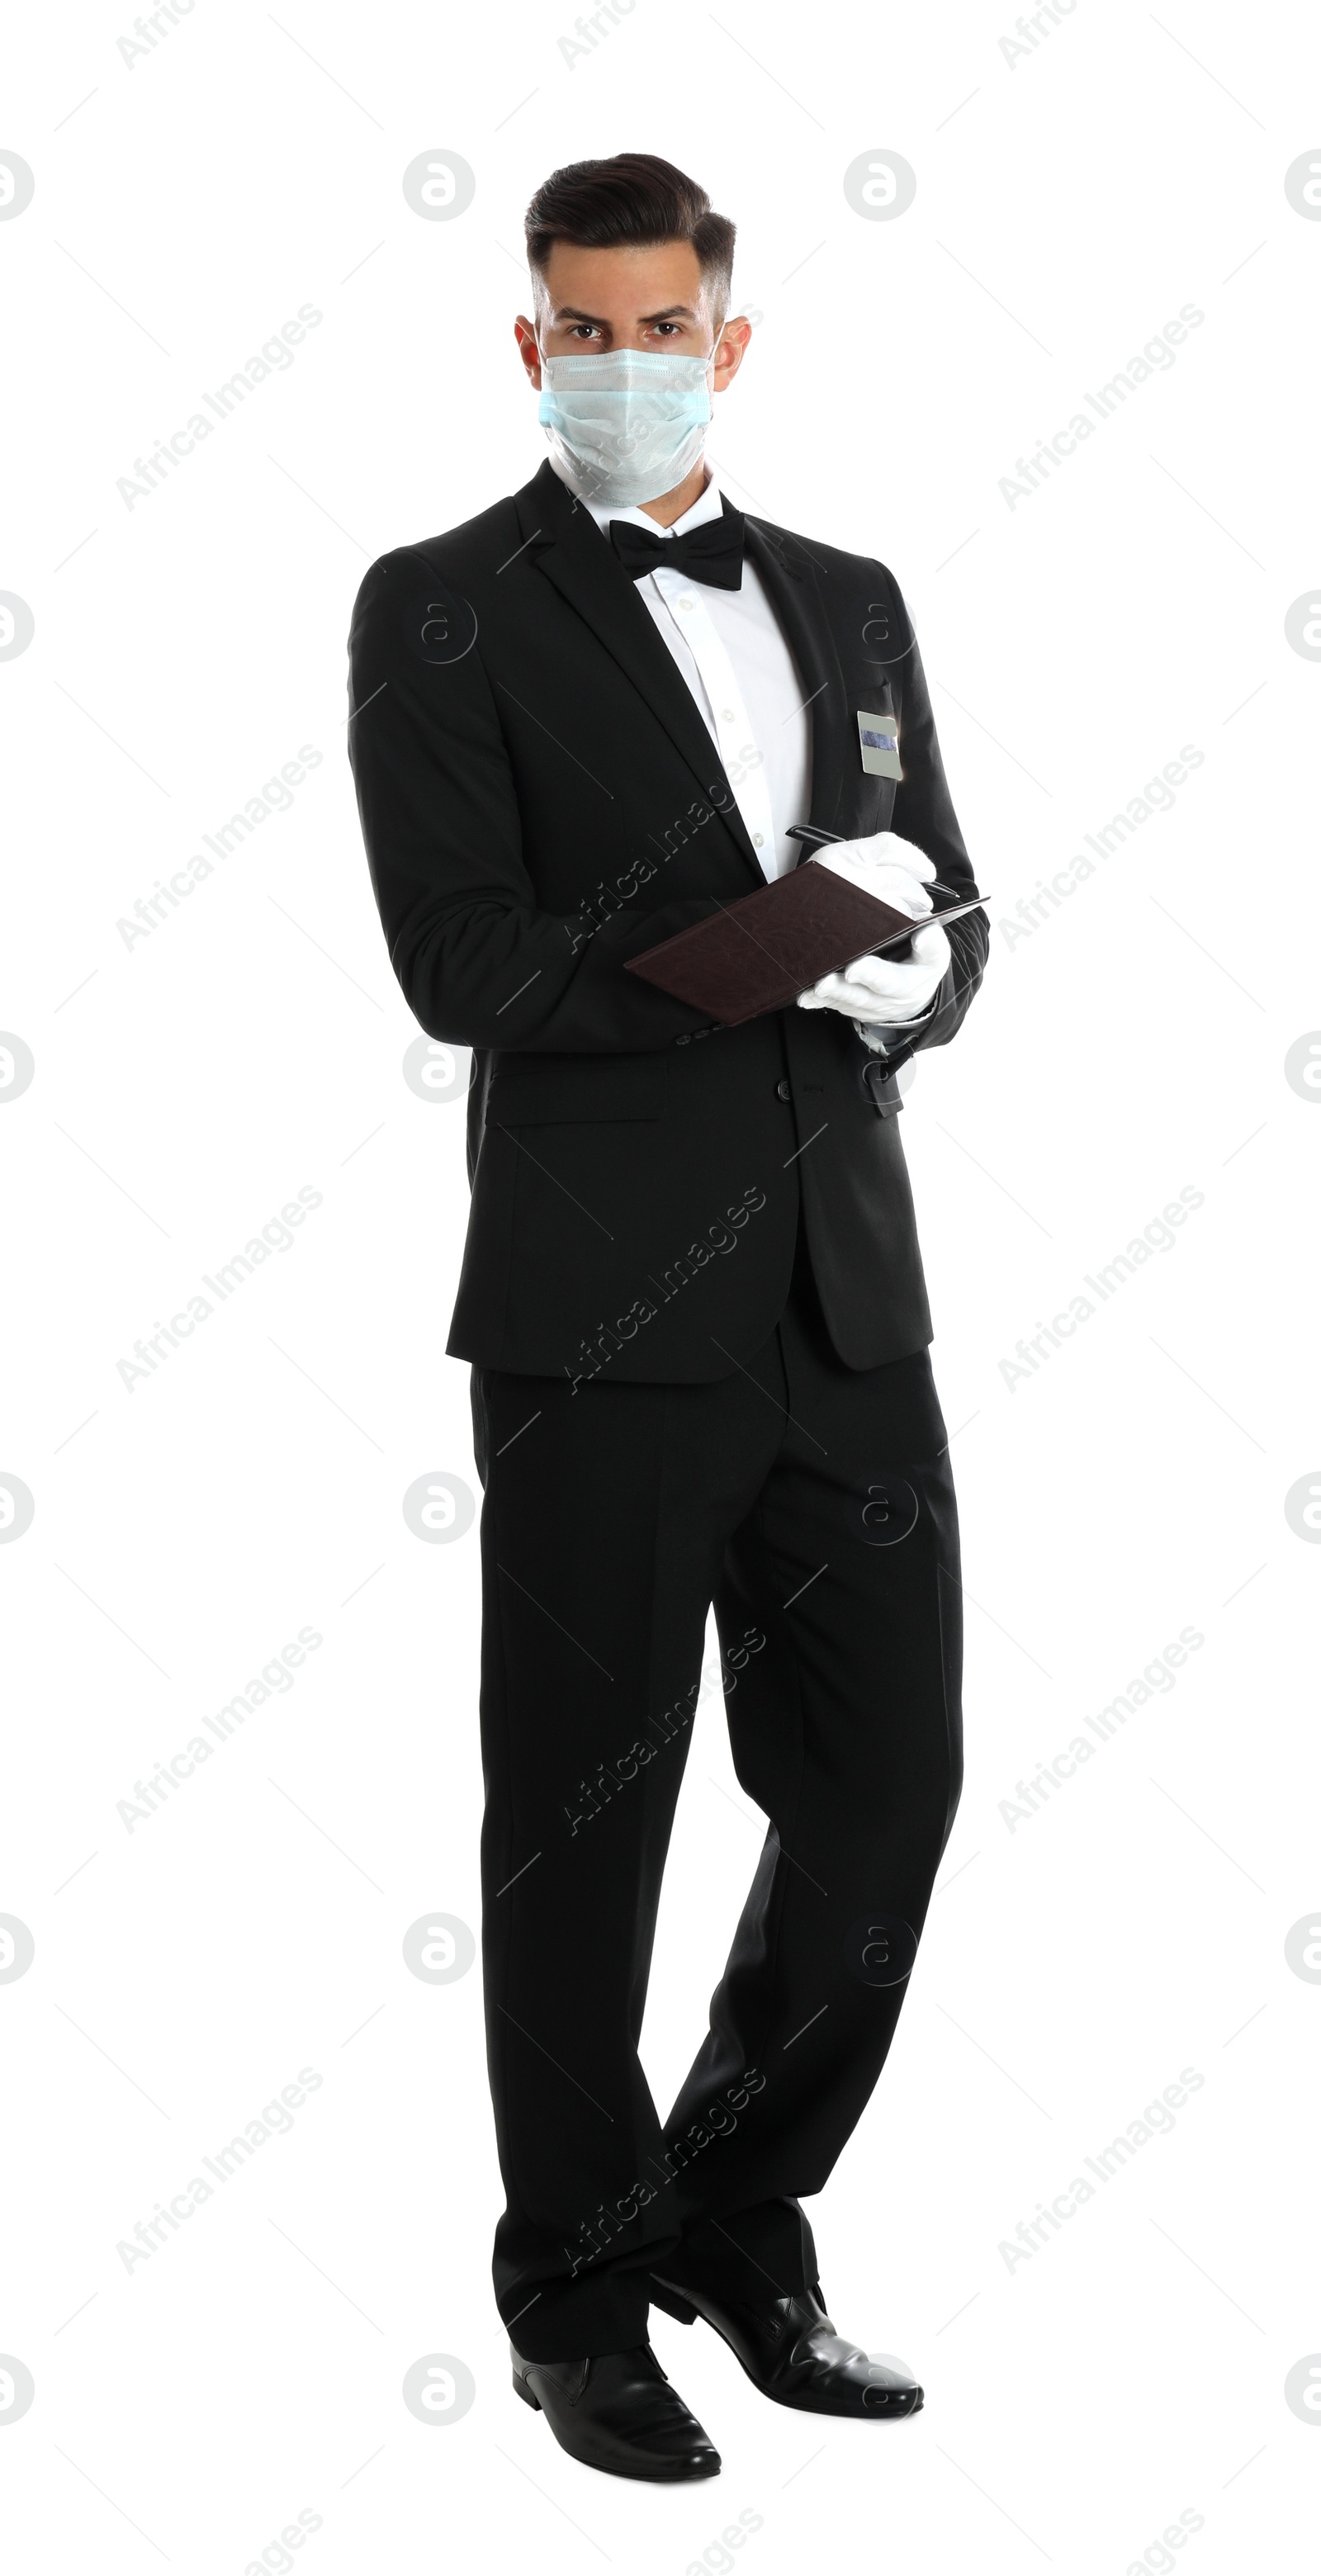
{"points": [[791, 2352], [617, 2411]]}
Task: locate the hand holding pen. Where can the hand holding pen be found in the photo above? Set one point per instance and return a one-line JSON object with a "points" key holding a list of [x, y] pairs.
{"points": [[896, 987]]}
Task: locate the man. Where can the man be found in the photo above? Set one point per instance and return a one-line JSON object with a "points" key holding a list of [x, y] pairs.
{"points": [[693, 1301]]}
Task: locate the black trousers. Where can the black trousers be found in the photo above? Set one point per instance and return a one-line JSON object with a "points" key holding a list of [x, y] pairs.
{"points": [[814, 1507]]}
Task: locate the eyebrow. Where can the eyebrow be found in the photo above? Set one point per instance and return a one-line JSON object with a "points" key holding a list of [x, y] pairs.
{"points": [[671, 313]]}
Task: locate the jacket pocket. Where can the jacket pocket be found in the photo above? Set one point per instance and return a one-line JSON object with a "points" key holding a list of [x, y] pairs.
{"points": [[550, 1090]]}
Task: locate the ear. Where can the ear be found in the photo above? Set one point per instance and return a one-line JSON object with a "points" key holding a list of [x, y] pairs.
{"points": [[526, 335], [728, 354]]}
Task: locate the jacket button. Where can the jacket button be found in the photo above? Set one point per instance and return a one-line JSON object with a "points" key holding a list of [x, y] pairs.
{"points": [[783, 1090]]}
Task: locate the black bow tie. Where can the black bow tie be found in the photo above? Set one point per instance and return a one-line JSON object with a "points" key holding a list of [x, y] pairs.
{"points": [[712, 553]]}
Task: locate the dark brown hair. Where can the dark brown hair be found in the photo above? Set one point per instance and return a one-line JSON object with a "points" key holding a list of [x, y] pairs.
{"points": [[632, 200]]}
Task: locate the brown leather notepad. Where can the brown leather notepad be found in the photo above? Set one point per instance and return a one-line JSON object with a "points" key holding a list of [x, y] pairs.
{"points": [[760, 953]]}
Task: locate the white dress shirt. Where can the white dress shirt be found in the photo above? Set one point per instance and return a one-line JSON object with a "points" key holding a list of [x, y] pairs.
{"points": [[733, 656]]}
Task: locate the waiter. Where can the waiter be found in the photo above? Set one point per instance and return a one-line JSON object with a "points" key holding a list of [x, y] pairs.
{"points": [[694, 1307]]}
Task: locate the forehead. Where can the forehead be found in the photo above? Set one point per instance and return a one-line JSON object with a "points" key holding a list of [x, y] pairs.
{"points": [[625, 284]]}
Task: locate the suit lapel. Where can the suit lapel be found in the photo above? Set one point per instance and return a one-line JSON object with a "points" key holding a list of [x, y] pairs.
{"points": [[794, 584], [564, 543]]}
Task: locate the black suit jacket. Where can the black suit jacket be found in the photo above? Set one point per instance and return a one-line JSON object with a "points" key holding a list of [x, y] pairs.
{"points": [[541, 800]]}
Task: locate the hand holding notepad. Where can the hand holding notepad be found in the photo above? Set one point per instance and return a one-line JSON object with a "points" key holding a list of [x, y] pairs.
{"points": [[761, 952], [893, 988]]}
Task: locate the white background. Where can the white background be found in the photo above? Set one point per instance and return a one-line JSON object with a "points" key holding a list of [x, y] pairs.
{"points": [[1068, 203]]}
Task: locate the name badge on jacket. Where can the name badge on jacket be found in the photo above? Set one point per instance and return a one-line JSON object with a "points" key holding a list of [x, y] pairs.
{"points": [[878, 737]]}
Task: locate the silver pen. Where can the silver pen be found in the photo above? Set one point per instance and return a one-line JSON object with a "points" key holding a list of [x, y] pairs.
{"points": [[817, 837]]}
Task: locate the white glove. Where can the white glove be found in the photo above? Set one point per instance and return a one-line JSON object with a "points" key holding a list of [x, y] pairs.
{"points": [[881, 991]]}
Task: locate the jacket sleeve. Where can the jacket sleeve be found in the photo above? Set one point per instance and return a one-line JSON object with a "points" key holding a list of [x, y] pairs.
{"points": [[924, 813], [480, 963]]}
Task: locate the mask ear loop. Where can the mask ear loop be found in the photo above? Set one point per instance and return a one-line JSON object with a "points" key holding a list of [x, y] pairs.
{"points": [[710, 382]]}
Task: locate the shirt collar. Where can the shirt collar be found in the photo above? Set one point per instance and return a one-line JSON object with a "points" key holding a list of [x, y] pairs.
{"points": [[708, 505]]}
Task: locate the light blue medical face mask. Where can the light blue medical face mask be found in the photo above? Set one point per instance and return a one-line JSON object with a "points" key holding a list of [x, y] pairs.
{"points": [[625, 425]]}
